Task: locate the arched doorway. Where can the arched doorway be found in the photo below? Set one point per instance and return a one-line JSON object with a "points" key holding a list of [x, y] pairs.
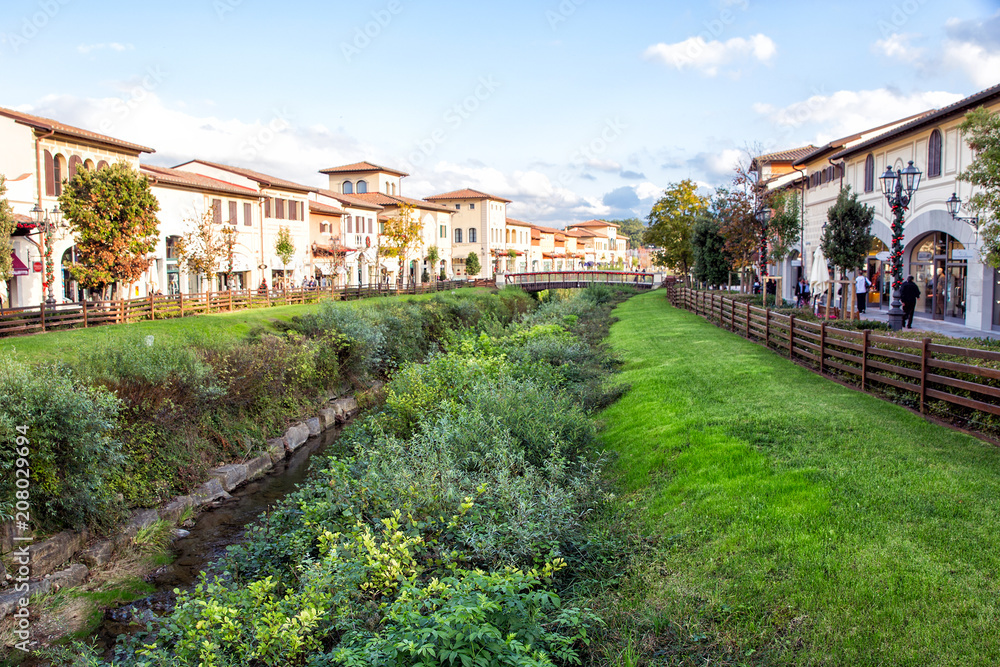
{"points": [[939, 266], [71, 289], [879, 273], [173, 270]]}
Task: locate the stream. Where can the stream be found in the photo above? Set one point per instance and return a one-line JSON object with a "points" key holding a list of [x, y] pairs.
{"points": [[216, 528]]}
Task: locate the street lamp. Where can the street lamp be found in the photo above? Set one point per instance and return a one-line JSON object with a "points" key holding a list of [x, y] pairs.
{"points": [[47, 226], [898, 187], [954, 205], [763, 217]]}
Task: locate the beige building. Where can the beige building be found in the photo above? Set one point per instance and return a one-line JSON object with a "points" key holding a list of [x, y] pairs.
{"points": [[517, 246], [479, 221], [602, 247]]}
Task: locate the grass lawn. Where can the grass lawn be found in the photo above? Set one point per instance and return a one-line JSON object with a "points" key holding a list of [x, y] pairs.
{"points": [[794, 521], [203, 330]]}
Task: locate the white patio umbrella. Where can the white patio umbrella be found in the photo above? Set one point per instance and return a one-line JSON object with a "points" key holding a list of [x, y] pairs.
{"points": [[819, 274]]}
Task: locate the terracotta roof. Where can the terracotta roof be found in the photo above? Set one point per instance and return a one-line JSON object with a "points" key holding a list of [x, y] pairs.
{"points": [[350, 200], [593, 223], [166, 176], [47, 124], [789, 155], [262, 179], [575, 233], [359, 167], [843, 141], [548, 230], [324, 209], [589, 233], [958, 108], [467, 193], [517, 223], [383, 199]]}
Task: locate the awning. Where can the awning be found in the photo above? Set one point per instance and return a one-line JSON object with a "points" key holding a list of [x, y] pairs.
{"points": [[19, 268]]}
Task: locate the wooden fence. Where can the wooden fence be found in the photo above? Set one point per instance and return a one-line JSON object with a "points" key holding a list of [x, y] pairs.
{"points": [[966, 380], [38, 319]]}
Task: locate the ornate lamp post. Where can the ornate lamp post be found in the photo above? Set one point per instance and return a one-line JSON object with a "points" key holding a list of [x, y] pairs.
{"points": [[954, 205], [898, 188], [47, 226]]}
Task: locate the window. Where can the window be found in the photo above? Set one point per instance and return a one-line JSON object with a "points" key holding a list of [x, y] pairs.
{"points": [[347, 188], [458, 235], [350, 228], [443, 232], [362, 187], [233, 212], [58, 173], [934, 155], [323, 227], [371, 226], [279, 206], [172, 247], [393, 188], [74, 164], [50, 188], [458, 207], [102, 165], [870, 173], [472, 207], [217, 211], [248, 215], [267, 207], [472, 234]]}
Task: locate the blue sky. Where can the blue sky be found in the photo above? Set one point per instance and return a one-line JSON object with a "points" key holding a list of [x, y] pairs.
{"points": [[574, 109]]}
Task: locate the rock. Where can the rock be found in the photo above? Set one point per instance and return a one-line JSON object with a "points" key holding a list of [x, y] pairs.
{"points": [[314, 426], [180, 532], [3, 573], [140, 520], [259, 466], [209, 492], [175, 509], [277, 450], [10, 602], [72, 576], [346, 407], [97, 554], [231, 475], [49, 554], [328, 417], [296, 436]]}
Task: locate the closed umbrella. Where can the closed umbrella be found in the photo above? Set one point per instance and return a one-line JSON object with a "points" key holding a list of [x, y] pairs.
{"points": [[819, 274]]}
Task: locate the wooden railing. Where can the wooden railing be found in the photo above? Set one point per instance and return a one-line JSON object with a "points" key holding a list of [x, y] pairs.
{"points": [[37, 319], [575, 279], [965, 379]]}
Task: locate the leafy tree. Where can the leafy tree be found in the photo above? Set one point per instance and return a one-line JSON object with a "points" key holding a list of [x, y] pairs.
{"points": [[671, 222], [847, 237], [401, 235], [632, 229], [284, 248], [472, 265], [433, 255], [202, 249], [982, 131], [711, 264], [112, 213], [785, 226], [7, 226], [334, 262], [735, 213]]}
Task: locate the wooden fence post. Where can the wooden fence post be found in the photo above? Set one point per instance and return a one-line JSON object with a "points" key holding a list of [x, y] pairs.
{"points": [[230, 300], [182, 303], [41, 309], [767, 327], [152, 307], [748, 321], [822, 345], [924, 354], [84, 313], [732, 315], [864, 360], [791, 336]]}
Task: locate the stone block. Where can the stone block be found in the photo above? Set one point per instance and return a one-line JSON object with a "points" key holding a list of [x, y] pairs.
{"points": [[209, 492], [175, 509], [97, 554], [314, 426], [296, 436], [72, 576], [259, 466], [49, 554], [277, 450], [346, 407], [231, 475], [328, 417]]}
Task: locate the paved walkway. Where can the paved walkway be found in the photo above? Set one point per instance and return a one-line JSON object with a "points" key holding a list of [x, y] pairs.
{"points": [[935, 326]]}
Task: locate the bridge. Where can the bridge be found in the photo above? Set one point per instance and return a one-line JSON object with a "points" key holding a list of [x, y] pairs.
{"points": [[536, 282]]}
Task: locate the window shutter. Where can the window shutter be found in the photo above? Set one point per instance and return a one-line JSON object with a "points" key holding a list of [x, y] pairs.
{"points": [[217, 211], [267, 207], [350, 229], [50, 179], [233, 213], [248, 215], [280, 209]]}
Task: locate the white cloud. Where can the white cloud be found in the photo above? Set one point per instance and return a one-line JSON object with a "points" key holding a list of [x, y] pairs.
{"points": [[717, 165], [848, 111], [603, 165], [709, 57], [897, 45], [980, 64], [110, 46], [648, 190]]}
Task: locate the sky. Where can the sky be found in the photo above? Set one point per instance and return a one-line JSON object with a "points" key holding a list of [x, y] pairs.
{"points": [[572, 109]]}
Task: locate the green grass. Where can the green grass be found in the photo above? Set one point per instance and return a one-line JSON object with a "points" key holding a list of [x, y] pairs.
{"points": [[793, 520], [218, 329]]}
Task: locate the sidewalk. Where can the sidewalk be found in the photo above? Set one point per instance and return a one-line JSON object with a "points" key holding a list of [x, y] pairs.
{"points": [[934, 326]]}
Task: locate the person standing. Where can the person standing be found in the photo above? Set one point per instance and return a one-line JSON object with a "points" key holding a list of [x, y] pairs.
{"points": [[908, 294], [802, 294], [861, 287]]}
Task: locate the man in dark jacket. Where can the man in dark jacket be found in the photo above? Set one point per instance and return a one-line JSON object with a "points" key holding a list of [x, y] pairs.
{"points": [[908, 294]]}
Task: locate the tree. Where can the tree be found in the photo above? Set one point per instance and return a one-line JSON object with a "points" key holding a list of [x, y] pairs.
{"points": [[847, 238], [982, 131], [711, 264], [785, 226], [112, 213], [335, 262], [671, 222], [433, 255], [472, 265], [7, 227], [632, 229], [734, 211], [401, 235], [284, 248], [202, 249]]}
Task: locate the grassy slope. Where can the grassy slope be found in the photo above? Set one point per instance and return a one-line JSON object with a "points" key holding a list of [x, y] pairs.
{"points": [[801, 522], [202, 330]]}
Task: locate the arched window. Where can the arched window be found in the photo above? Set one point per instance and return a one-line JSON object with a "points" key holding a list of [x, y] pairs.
{"points": [[102, 165], [348, 188], [88, 165], [458, 235], [934, 155], [58, 173], [362, 187], [472, 234], [75, 163], [393, 188], [870, 173]]}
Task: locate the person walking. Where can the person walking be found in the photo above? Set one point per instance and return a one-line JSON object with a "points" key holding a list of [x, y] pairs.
{"points": [[861, 287], [802, 294], [908, 294]]}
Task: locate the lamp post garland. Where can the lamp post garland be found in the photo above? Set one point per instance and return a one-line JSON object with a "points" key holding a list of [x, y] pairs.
{"points": [[48, 226], [898, 187]]}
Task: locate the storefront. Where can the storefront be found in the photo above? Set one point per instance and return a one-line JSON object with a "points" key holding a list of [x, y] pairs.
{"points": [[939, 266]]}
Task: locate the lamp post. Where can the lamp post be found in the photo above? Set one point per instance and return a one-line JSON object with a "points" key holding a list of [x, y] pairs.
{"points": [[47, 226], [898, 187], [763, 217], [954, 205]]}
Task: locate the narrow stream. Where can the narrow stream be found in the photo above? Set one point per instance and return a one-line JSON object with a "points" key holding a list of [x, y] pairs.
{"points": [[216, 528]]}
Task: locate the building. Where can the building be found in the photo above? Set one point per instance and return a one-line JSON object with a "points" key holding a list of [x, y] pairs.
{"points": [[480, 225], [39, 155], [517, 246], [601, 244]]}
